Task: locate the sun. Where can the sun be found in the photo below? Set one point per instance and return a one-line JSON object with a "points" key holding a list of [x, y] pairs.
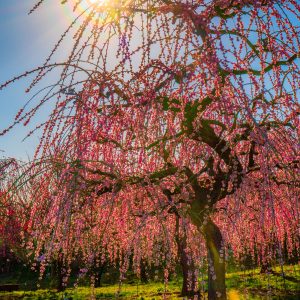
{"points": [[98, 2], [101, 11]]}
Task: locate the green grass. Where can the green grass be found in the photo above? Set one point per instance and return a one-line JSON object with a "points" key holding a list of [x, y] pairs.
{"points": [[266, 285], [248, 284], [147, 291]]}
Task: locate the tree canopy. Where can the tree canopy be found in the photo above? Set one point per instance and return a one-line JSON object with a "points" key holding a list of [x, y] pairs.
{"points": [[169, 114]]}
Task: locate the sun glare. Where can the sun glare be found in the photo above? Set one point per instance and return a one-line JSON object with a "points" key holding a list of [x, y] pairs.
{"points": [[104, 11], [98, 2]]}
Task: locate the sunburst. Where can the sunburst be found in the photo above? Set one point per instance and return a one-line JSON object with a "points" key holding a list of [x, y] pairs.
{"points": [[97, 2]]}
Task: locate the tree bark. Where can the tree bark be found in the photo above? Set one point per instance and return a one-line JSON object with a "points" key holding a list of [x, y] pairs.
{"points": [[143, 274], [216, 261], [57, 276], [189, 283], [98, 274]]}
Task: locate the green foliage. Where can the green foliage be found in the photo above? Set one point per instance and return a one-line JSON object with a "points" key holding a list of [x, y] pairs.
{"points": [[170, 104], [191, 111]]}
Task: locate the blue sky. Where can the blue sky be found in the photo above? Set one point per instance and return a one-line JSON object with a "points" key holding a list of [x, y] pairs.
{"points": [[25, 42]]}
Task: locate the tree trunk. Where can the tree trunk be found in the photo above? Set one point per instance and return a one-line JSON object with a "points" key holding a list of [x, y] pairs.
{"points": [[97, 270], [98, 275], [57, 276], [216, 261], [189, 284], [143, 274]]}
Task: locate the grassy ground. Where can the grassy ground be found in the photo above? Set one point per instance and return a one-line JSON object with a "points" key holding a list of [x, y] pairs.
{"points": [[249, 284]]}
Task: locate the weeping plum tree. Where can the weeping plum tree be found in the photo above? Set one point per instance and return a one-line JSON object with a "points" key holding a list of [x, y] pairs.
{"points": [[189, 103]]}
